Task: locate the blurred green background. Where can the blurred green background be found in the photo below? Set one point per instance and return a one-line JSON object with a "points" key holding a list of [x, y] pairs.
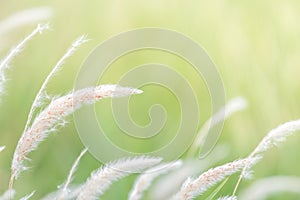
{"points": [[254, 44]]}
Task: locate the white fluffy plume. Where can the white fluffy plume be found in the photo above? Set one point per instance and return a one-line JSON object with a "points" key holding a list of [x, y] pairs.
{"points": [[102, 178]]}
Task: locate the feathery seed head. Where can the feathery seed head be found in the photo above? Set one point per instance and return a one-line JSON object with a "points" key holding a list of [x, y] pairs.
{"points": [[145, 179], [54, 114], [101, 179], [194, 187]]}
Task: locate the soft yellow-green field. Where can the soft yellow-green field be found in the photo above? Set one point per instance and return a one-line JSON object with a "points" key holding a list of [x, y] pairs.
{"points": [[254, 44]]}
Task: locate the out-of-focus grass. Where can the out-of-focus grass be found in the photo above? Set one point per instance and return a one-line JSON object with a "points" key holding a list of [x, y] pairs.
{"points": [[255, 45]]}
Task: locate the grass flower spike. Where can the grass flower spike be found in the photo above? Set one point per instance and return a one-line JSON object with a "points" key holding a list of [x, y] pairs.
{"points": [[276, 136], [54, 115], [17, 165], [195, 187], [273, 138], [4, 64], [40, 95], [144, 180], [102, 178]]}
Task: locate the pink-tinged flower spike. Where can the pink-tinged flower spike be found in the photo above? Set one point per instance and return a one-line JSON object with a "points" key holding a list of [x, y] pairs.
{"points": [[192, 188], [102, 178], [163, 190], [37, 101], [54, 116], [40, 95]]}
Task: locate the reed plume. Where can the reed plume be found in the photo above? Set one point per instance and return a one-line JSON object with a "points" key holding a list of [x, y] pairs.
{"points": [[192, 188], [4, 64], [144, 181], [273, 138], [102, 178], [36, 103], [53, 116]]}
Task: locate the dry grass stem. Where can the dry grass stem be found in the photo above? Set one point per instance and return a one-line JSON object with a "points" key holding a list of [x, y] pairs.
{"points": [[28, 196], [65, 188]]}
